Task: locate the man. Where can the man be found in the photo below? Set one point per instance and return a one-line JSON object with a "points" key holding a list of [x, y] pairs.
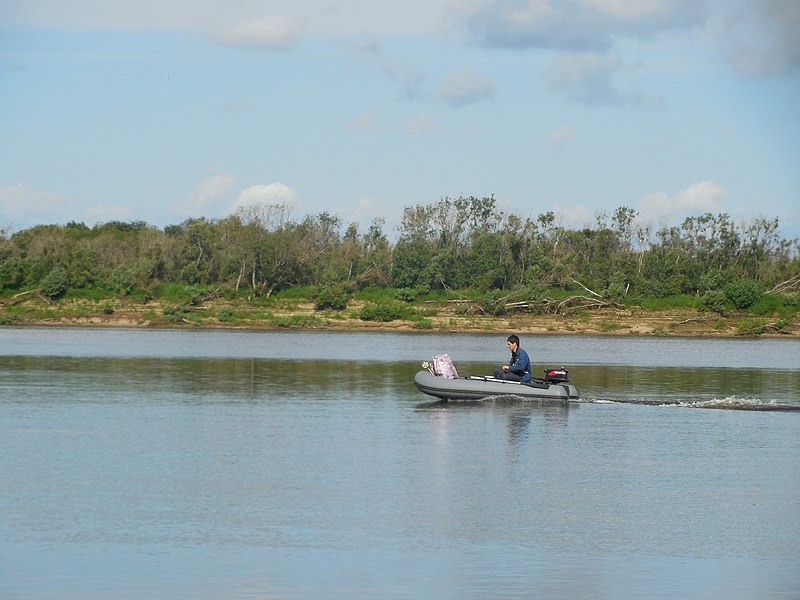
{"points": [[519, 367]]}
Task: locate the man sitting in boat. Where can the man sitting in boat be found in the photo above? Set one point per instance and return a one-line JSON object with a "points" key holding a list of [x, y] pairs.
{"points": [[519, 367]]}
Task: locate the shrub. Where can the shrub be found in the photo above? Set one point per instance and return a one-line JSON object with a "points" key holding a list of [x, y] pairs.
{"points": [[225, 314], [383, 311], [710, 281], [617, 288], [751, 328], [423, 324], [123, 279], [493, 302], [191, 274], [175, 314], [768, 304], [407, 294], [376, 294], [334, 297], [186, 294], [657, 288], [298, 321], [743, 293], [714, 301], [791, 299], [54, 285], [12, 274]]}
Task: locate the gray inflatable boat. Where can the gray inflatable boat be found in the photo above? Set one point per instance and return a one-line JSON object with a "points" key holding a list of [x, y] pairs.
{"points": [[554, 386]]}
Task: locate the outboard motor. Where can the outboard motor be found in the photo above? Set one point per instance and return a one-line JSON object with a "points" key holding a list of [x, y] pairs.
{"points": [[556, 375]]}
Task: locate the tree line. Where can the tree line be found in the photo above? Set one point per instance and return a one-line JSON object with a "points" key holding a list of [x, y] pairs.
{"points": [[453, 244]]}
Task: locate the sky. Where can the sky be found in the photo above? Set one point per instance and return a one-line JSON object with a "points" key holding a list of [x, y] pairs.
{"points": [[166, 110]]}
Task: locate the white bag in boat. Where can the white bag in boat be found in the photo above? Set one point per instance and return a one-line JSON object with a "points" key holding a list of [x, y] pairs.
{"points": [[443, 366]]}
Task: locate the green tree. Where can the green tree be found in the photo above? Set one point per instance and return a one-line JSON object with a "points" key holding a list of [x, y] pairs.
{"points": [[487, 262]]}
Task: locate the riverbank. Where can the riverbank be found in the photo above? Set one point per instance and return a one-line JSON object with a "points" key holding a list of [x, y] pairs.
{"points": [[441, 317]]}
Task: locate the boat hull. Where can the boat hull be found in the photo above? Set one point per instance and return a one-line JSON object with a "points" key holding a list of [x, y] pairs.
{"points": [[477, 388]]}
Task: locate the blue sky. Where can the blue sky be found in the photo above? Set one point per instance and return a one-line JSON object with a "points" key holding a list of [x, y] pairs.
{"points": [[172, 109]]}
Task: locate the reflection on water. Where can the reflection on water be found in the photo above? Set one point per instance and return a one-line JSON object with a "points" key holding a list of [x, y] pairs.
{"points": [[249, 379], [193, 380], [484, 350], [518, 412], [721, 387]]}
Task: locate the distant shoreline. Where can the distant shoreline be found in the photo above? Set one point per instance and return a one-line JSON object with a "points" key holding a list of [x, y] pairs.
{"points": [[442, 319]]}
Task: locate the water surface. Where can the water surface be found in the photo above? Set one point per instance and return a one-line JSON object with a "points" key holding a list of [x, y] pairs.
{"points": [[173, 464]]}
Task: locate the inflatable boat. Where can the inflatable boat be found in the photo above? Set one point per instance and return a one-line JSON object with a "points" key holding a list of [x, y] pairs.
{"points": [[554, 386]]}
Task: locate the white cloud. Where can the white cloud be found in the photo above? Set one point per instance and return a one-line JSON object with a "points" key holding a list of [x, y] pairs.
{"points": [[273, 32], [630, 9], [20, 206], [208, 195], [339, 17], [579, 26], [420, 124], [266, 194], [368, 120], [761, 37], [698, 198], [561, 136], [587, 34], [364, 211], [592, 79], [410, 80], [19, 199], [576, 216], [466, 87]]}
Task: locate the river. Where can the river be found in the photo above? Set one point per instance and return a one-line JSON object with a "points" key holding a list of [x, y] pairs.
{"points": [[303, 465]]}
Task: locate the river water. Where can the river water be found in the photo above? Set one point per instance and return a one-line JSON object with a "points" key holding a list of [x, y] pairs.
{"points": [[305, 465]]}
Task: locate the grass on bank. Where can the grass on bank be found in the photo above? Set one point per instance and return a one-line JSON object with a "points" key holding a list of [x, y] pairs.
{"points": [[172, 304]]}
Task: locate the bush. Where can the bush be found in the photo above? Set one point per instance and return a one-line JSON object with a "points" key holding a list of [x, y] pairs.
{"points": [[12, 274], [667, 302], [423, 324], [791, 299], [743, 293], [655, 288], [710, 282], [334, 297], [376, 294], [769, 304], [175, 314], [382, 312], [714, 301], [493, 302], [751, 328], [407, 294], [226, 315], [617, 288], [123, 279], [54, 285], [298, 321], [186, 294], [191, 274]]}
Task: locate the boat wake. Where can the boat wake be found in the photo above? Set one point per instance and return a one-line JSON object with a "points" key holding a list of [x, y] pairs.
{"points": [[734, 403], [728, 403]]}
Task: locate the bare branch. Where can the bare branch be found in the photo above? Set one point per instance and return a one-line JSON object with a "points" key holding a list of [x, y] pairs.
{"points": [[16, 298], [785, 286], [593, 293]]}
